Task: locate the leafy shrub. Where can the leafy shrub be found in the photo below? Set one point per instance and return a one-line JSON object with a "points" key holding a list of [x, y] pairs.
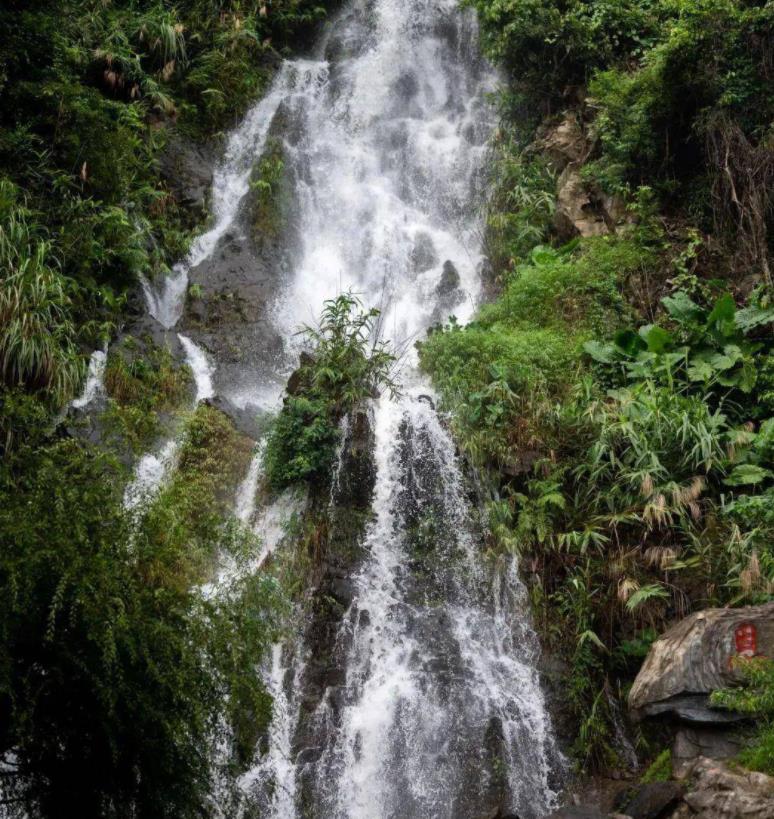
{"points": [[114, 671], [347, 365], [37, 334], [755, 698]]}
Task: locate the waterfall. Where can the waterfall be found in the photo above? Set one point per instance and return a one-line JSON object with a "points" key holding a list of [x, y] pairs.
{"points": [[439, 710], [441, 703], [95, 379], [165, 299], [201, 368], [435, 708]]}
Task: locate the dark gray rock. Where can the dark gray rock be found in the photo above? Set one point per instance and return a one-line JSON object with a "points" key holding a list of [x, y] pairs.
{"points": [[423, 255], [653, 800], [576, 812], [692, 708], [406, 86], [450, 279], [187, 167], [246, 420], [696, 741]]}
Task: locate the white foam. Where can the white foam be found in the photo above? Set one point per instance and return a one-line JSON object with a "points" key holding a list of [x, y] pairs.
{"points": [[95, 380], [203, 369]]}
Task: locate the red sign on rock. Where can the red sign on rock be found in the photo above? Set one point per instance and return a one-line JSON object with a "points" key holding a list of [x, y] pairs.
{"points": [[746, 639]]}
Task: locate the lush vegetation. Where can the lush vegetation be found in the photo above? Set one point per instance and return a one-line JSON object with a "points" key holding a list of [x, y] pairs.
{"points": [[115, 670], [118, 675], [347, 364], [92, 94], [617, 392], [757, 699]]}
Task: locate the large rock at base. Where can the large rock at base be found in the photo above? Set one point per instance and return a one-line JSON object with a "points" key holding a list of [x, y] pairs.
{"points": [[653, 800], [695, 656], [717, 792], [694, 741]]}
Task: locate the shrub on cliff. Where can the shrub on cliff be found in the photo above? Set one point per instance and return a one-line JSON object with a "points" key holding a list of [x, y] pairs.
{"points": [[346, 365]]}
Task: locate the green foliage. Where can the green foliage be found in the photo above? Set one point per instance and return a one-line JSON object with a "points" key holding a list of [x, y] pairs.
{"points": [[660, 769], [348, 364], [37, 333], [266, 183], [191, 509], [755, 698], [89, 93], [114, 670], [143, 381], [520, 207], [548, 47], [504, 371]]}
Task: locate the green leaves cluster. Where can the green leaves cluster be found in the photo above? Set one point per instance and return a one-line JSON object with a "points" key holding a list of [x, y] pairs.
{"points": [[115, 670], [755, 698], [347, 364], [710, 347]]}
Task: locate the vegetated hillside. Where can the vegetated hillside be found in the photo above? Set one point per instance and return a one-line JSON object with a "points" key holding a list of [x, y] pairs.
{"points": [[115, 672], [619, 389]]}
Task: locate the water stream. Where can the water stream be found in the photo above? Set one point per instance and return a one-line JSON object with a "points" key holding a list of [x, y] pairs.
{"points": [[437, 709]]}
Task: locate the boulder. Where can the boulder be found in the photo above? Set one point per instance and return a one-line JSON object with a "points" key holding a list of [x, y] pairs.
{"points": [[653, 800], [423, 255], [692, 742], [450, 279], [563, 144], [696, 655], [693, 709], [580, 211], [715, 791]]}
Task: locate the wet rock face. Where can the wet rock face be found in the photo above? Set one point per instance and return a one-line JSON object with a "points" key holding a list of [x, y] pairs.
{"points": [[187, 167], [325, 672], [696, 657], [423, 254], [231, 292], [450, 280]]}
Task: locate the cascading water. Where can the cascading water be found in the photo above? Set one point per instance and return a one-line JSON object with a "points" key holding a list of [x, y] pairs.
{"points": [[95, 378], [442, 705], [436, 709]]}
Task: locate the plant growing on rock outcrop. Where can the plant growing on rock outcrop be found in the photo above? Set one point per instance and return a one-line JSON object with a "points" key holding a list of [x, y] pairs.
{"points": [[348, 364]]}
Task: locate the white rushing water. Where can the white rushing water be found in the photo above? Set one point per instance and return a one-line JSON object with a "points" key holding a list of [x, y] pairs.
{"points": [[165, 299], [150, 473], [437, 709], [440, 696], [95, 380], [201, 367]]}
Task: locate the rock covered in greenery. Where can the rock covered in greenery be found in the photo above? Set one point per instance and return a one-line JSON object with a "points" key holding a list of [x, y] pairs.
{"points": [[696, 655]]}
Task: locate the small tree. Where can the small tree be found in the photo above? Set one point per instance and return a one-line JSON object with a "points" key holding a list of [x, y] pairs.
{"points": [[349, 363]]}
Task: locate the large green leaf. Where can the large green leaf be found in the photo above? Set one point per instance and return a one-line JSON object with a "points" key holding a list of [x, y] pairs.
{"points": [[751, 317], [629, 342], [682, 308], [604, 353], [657, 338], [747, 475], [722, 316]]}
